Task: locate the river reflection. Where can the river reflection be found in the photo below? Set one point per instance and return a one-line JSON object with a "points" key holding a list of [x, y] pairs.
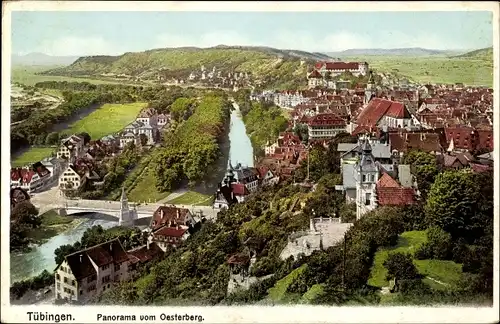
{"points": [[41, 257], [241, 150]]}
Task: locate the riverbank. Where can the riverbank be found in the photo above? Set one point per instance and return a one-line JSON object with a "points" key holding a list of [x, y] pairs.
{"points": [[53, 225], [25, 265]]}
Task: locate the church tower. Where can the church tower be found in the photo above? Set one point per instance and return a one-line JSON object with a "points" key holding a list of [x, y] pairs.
{"points": [[370, 89], [367, 174]]}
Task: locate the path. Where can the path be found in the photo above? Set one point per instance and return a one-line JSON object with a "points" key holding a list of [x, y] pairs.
{"points": [[172, 196]]}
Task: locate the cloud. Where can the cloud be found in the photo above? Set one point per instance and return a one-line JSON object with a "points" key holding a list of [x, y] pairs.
{"points": [[79, 46]]}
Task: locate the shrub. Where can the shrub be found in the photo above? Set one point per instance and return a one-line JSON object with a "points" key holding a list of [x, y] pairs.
{"points": [[400, 266], [19, 288]]}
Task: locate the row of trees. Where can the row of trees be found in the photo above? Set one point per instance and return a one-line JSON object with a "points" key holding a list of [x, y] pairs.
{"points": [[193, 146]]}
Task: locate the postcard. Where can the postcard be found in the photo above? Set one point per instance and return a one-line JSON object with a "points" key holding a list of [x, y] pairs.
{"points": [[250, 162]]}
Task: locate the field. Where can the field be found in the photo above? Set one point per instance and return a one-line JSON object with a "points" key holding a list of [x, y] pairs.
{"points": [[108, 119], [447, 272], [34, 154], [193, 198], [27, 75], [435, 69]]}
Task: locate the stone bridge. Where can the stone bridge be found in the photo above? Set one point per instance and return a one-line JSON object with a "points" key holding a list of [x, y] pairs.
{"points": [[126, 213]]}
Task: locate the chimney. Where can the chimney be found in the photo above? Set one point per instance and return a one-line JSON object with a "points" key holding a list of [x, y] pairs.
{"points": [[162, 213], [111, 247], [178, 213], [81, 258], [147, 244]]}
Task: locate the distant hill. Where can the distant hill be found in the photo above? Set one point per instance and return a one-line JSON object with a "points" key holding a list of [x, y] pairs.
{"points": [[266, 64], [415, 51], [480, 54], [40, 59]]}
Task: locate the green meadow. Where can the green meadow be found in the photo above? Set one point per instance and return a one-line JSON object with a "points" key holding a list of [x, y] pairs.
{"points": [[434, 69], [108, 119]]}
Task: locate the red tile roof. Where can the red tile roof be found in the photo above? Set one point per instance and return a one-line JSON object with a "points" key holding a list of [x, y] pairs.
{"points": [[315, 75], [386, 181], [405, 141], [239, 189], [102, 254], [143, 253], [326, 120], [166, 215], [342, 65], [170, 232], [390, 193], [378, 108]]}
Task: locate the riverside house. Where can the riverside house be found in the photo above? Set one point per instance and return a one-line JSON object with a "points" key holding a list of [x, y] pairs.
{"points": [[90, 272]]}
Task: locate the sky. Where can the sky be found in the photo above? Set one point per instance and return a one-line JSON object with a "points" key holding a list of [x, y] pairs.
{"points": [[113, 33]]}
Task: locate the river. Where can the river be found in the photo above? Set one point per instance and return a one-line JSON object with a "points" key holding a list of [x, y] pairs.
{"points": [[237, 147]]}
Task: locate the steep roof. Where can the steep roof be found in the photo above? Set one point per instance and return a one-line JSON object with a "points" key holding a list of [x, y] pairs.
{"points": [[169, 214], [101, 254], [170, 231], [390, 193], [378, 108], [326, 120], [144, 253]]}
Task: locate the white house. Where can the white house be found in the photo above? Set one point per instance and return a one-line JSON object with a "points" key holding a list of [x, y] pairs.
{"points": [[92, 271], [71, 148], [71, 178]]}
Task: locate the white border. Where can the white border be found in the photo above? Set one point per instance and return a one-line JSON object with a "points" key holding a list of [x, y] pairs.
{"points": [[293, 314]]}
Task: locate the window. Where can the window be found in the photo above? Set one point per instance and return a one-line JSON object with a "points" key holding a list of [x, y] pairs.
{"points": [[117, 267], [372, 177], [367, 198], [364, 178], [106, 266], [58, 277], [58, 286], [106, 279], [66, 280], [81, 292], [73, 283]]}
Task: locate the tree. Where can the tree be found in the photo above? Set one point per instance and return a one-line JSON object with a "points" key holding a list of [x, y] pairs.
{"points": [[144, 139], [452, 203], [86, 137], [26, 214], [62, 251], [52, 138], [400, 266]]}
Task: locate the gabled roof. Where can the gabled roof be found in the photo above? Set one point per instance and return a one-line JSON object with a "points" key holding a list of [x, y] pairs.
{"points": [[170, 214], [326, 120], [170, 231], [102, 254], [144, 253], [378, 108], [390, 193]]}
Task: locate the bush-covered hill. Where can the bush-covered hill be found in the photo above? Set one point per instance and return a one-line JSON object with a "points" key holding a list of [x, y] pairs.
{"points": [[264, 63], [480, 54]]}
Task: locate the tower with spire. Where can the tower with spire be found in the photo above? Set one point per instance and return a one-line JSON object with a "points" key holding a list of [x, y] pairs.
{"points": [[370, 89], [367, 174], [126, 215]]}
